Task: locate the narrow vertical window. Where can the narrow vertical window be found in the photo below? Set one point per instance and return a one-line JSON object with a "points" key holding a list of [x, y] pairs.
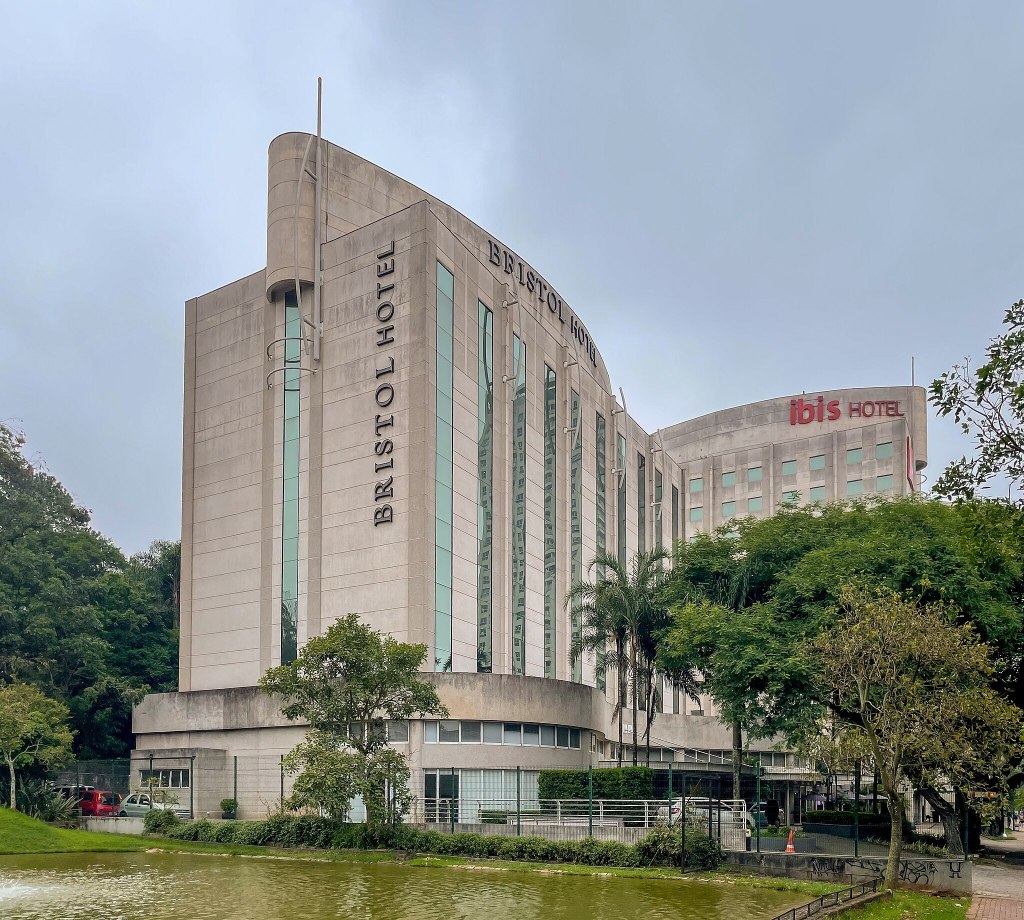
{"points": [[641, 503], [659, 487], [550, 520], [675, 516], [290, 478], [519, 508], [620, 509], [600, 514], [443, 471], [576, 522], [485, 488]]}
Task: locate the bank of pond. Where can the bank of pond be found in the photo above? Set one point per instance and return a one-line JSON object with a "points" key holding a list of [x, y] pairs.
{"points": [[315, 868]]}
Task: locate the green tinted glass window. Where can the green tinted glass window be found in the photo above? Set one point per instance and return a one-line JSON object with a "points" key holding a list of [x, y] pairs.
{"points": [[600, 512], [696, 515], [883, 483], [550, 533], [790, 498], [754, 474], [728, 509], [754, 504], [817, 462], [444, 405], [728, 480], [641, 502], [817, 493], [485, 487], [659, 489], [620, 465], [519, 507], [883, 451], [697, 484], [855, 487], [854, 455], [789, 467], [290, 480], [576, 523]]}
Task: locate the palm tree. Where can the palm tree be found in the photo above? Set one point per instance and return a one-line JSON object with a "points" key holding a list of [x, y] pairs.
{"points": [[623, 609]]}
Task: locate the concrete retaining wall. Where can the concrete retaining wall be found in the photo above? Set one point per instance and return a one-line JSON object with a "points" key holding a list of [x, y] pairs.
{"points": [[114, 825], [950, 875]]}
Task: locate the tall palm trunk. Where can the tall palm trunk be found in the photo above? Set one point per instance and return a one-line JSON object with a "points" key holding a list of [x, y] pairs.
{"points": [[621, 674], [636, 711]]}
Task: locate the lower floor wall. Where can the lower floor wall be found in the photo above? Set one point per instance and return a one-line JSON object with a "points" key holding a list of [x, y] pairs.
{"points": [[947, 875]]}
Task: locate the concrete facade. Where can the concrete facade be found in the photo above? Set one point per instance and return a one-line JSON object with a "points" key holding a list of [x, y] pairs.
{"points": [[373, 432]]}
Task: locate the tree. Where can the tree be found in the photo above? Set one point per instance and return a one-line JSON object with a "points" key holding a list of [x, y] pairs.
{"points": [[328, 775], [788, 570], [346, 684], [988, 405], [33, 730], [912, 687], [624, 608], [77, 619]]}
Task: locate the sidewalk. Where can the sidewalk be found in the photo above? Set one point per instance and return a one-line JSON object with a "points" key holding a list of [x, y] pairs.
{"points": [[986, 908]]}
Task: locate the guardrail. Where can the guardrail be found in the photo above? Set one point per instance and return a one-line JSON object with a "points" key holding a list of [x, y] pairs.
{"points": [[833, 899]]}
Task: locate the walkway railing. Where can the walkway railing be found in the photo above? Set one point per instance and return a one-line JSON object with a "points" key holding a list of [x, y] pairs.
{"points": [[833, 899]]}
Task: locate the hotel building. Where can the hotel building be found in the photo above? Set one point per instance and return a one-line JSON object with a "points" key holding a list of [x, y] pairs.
{"points": [[400, 416]]}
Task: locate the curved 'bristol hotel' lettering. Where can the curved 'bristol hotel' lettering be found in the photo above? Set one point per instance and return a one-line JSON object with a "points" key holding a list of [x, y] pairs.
{"points": [[444, 460]]}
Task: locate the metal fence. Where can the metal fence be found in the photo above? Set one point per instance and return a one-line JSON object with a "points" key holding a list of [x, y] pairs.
{"points": [[830, 900], [509, 801]]}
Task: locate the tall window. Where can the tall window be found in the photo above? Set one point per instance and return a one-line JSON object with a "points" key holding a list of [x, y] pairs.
{"points": [[641, 502], [675, 515], [519, 508], [658, 489], [620, 509], [550, 515], [485, 488], [600, 513], [290, 477], [443, 471], [576, 522]]}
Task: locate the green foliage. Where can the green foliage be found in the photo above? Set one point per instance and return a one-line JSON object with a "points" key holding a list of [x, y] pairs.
{"points": [[33, 730], [77, 619], [614, 783], [160, 820], [306, 831], [328, 776], [988, 405], [38, 799], [353, 674], [228, 806]]}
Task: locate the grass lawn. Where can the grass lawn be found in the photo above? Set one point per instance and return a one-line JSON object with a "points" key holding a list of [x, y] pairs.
{"points": [[21, 834], [910, 905]]}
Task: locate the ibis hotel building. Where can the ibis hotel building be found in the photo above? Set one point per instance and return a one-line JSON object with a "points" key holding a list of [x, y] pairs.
{"points": [[403, 417]]}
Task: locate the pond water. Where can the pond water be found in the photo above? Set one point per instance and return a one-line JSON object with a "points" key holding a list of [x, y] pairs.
{"points": [[166, 886]]}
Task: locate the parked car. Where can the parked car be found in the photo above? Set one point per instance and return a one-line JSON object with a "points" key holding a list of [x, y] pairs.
{"points": [[140, 804], [73, 792], [764, 814], [99, 803]]}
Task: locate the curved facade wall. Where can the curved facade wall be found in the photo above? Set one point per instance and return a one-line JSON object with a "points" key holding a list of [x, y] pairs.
{"points": [[446, 468]]}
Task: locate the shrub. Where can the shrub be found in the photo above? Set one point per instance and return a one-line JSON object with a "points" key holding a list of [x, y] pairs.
{"points": [[159, 820], [661, 848], [612, 783]]}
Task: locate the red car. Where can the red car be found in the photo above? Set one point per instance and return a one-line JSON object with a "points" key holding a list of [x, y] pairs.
{"points": [[98, 803]]}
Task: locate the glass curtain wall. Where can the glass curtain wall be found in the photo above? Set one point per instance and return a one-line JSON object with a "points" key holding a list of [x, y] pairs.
{"points": [[290, 478], [519, 507], [576, 523], [641, 502], [485, 488], [550, 520], [620, 466], [659, 537], [600, 515], [675, 516], [443, 471]]}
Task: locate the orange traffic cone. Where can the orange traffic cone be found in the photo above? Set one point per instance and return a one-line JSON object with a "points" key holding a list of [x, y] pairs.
{"points": [[789, 843]]}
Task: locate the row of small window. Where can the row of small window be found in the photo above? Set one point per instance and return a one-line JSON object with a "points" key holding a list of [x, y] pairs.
{"points": [[817, 462], [394, 730], [454, 731], [164, 779], [817, 494]]}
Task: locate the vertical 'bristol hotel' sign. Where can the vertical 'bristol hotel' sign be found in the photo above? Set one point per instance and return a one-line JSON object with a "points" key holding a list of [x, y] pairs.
{"points": [[384, 392]]}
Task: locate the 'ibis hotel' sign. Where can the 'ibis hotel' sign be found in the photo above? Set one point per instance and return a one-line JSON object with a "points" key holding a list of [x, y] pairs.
{"points": [[805, 411]]}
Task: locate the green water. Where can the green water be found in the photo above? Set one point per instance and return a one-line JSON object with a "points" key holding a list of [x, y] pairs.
{"points": [[166, 886]]}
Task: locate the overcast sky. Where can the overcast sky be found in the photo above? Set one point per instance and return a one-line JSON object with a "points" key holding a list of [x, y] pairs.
{"points": [[740, 200]]}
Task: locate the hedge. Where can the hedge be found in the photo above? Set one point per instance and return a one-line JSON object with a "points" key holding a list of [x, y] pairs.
{"points": [[659, 848], [612, 783]]}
